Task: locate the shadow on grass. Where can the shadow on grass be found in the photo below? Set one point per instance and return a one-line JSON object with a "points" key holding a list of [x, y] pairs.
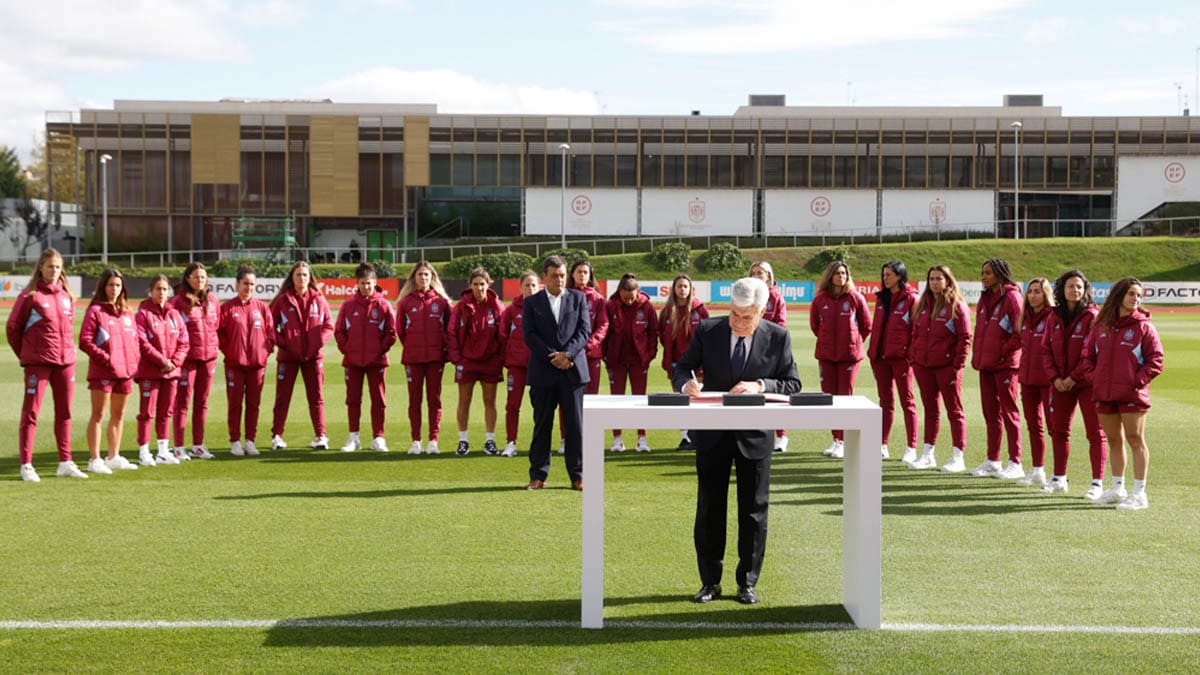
{"points": [[550, 623], [378, 494]]}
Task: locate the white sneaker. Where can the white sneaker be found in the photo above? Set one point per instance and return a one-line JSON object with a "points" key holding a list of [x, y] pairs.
{"points": [[642, 445], [415, 448], [883, 452], [781, 443], [181, 455], [320, 443], [249, 448], [927, 460], [562, 447], [201, 452], [144, 456], [510, 450], [1113, 496], [277, 443], [955, 464], [828, 452], [1094, 492], [163, 456], [431, 448], [909, 456], [1056, 486], [352, 444], [69, 470], [1036, 477], [839, 450], [119, 463], [618, 445], [28, 473], [1011, 471], [98, 466], [379, 445], [1135, 501], [987, 468], [235, 449]]}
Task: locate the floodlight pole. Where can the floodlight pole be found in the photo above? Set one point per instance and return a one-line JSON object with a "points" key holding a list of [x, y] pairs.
{"points": [[562, 207], [1016, 127], [104, 160]]}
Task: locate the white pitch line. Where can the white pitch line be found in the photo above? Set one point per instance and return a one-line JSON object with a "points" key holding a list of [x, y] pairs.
{"points": [[617, 624]]}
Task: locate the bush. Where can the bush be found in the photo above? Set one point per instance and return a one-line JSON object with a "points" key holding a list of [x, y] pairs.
{"points": [[383, 269], [568, 254], [671, 257], [722, 257], [91, 268], [498, 265], [821, 260], [227, 267]]}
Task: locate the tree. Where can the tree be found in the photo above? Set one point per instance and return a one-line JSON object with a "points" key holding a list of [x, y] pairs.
{"points": [[12, 178], [67, 179], [27, 227]]}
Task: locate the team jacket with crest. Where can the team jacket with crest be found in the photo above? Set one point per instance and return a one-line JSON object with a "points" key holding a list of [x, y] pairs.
{"points": [[776, 311], [943, 339], [474, 333], [110, 340], [997, 340], [1033, 334], [1062, 351], [421, 320], [840, 324], [598, 313], [1123, 359], [41, 328], [365, 330], [203, 342], [631, 327], [245, 332], [162, 337], [303, 325], [674, 345], [892, 333], [512, 335]]}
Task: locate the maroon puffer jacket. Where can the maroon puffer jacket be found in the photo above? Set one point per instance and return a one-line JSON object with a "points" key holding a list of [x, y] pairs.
{"points": [[110, 340], [997, 340], [1062, 350], [1033, 333], [421, 320], [941, 340], [246, 332], [41, 328], [840, 324], [162, 337], [776, 311], [303, 326], [598, 313], [365, 330], [892, 331], [202, 322], [674, 345], [512, 335], [1122, 360], [474, 333], [632, 330]]}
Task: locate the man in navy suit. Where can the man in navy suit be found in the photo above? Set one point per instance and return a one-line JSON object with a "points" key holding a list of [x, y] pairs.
{"points": [[557, 327], [740, 354]]}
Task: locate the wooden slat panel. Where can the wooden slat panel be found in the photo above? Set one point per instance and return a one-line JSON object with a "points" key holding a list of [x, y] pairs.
{"points": [[416, 151], [333, 166], [216, 149]]}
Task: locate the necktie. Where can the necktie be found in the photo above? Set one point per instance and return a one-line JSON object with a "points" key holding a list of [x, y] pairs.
{"points": [[738, 362]]}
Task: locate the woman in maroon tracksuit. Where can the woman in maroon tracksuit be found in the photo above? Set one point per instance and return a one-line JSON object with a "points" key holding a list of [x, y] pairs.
{"points": [[303, 326], [631, 345], [200, 311], [109, 337], [892, 332], [516, 358], [1067, 328], [583, 279], [163, 341], [1122, 355], [474, 347], [677, 321], [365, 330], [776, 313], [246, 335], [941, 339], [997, 356], [1035, 379], [41, 332], [839, 318], [422, 314]]}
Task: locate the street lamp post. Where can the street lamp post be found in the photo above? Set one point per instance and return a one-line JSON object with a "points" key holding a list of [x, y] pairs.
{"points": [[104, 160], [1016, 127], [562, 207]]}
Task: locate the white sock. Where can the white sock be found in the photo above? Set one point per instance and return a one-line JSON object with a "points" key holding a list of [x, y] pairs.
{"points": [[684, 435], [1118, 482], [462, 435], [1139, 485], [490, 436]]}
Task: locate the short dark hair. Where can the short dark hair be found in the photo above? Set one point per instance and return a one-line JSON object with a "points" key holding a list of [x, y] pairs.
{"points": [[242, 271], [554, 261], [364, 270]]}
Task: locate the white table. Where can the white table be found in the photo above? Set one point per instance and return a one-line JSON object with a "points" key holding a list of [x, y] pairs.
{"points": [[861, 497]]}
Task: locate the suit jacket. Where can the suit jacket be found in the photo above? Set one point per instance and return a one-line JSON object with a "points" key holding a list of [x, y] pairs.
{"points": [[544, 336], [770, 360]]}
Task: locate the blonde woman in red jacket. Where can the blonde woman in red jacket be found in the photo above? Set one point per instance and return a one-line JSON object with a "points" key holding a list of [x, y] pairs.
{"points": [[1123, 355], [474, 346], [515, 354], [201, 313], [41, 332], [997, 356], [892, 332], [303, 326], [841, 322], [631, 345], [941, 341], [247, 335], [109, 337], [677, 322], [422, 315], [163, 341], [1035, 379], [365, 330]]}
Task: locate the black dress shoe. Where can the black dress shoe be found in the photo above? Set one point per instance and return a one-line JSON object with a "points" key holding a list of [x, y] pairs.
{"points": [[685, 445], [707, 594], [747, 596]]}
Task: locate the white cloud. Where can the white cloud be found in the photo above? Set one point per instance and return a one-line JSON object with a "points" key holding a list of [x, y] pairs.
{"points": [[1150, 27], [454, 92], [271, 13], [24, 114], [769, 26], [1048, 30]]}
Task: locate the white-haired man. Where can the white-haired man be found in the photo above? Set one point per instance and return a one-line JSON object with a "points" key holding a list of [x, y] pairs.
{"points": [[740, 354]]}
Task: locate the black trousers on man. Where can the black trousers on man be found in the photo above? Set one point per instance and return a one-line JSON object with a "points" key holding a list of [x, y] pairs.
{"points": [[712, 499], [545, 401]]}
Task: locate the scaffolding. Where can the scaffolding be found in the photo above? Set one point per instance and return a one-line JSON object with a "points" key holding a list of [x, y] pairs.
{"points": [[272, 239]]}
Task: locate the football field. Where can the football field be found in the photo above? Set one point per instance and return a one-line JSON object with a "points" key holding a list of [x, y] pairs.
{"points": [[328, 561]]}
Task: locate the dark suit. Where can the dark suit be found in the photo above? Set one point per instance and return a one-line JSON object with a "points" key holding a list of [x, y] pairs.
{"points": [[770, 360], [551, 387]]}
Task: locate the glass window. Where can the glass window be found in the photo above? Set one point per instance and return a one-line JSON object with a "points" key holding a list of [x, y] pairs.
{"points": [[131, 183], [626, 171], [439, 169], [960, 171], [914, 172], [487, 170], [893, 171], [393, 183], [535, 170], [510, 169], [368, 184], [156, 180], [843, 172], [1081, 172], [672, 170], [580, 167], [651, 166], [1057, 175], [939, 172], [697, 171], [720, 171], [181, 181], [744, 174], [274, 181], [464, 170], [797, 171], [822, 171], [604, 171]]}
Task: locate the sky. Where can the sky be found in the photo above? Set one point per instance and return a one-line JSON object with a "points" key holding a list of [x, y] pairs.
{"points": [[616, 57]]}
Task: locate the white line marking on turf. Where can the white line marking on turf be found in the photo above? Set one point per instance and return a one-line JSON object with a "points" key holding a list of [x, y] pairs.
{"points": [[616, 623]]}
